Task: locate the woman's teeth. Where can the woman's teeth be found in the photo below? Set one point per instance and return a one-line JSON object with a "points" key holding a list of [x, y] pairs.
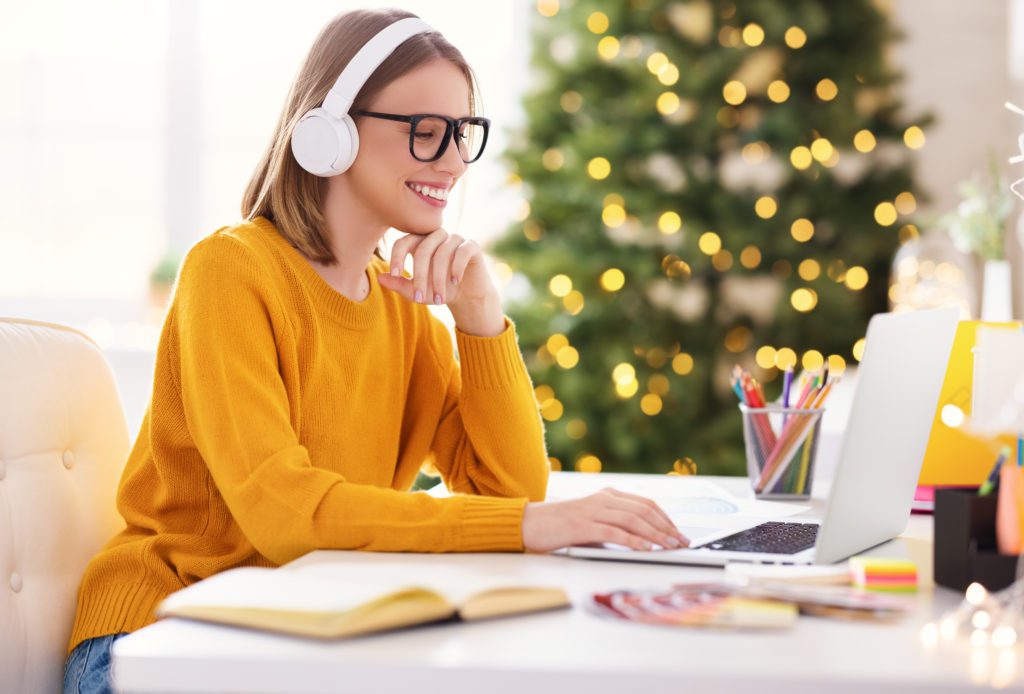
{"points": [[435, 193]]}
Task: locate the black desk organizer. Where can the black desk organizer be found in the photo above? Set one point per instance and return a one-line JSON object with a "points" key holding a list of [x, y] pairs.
{"points": [[965, 542]]}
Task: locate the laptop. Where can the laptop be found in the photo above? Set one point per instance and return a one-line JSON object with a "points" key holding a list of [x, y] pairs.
{"points": [[898, 383]]}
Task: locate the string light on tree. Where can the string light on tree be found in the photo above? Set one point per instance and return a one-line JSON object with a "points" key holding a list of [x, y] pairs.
{"points": [[722, 260], [613, 279], [864, 141], [668, 75], [795, 37], [801, 157], [750, 257], [755, 152], [576, 429], [809, 269], [734, 92], [552, 159], [613, 215], [567, 357], [906, 203], [667, 103], [804, 299], [785, 358], [802, 230], [598, 168], [765, 207], [856, 278], [709, 243], [597, 22], [669, 222], [560, 285], [571, 101], [826, 89], [765, 357], [753, 35], [651, 404], [778, 91], [682, 363], [885, 214], [656, 61], [608, 48], [588, 463], [812, 360], [858, 349], [547, 8], [821, 149], [913, 137], [573, 302]]}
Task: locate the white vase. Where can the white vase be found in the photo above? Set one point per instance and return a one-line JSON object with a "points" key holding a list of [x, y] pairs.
{"points": [[996, 297]]}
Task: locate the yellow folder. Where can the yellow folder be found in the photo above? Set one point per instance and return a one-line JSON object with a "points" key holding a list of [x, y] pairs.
{"points": [[955, 457]]}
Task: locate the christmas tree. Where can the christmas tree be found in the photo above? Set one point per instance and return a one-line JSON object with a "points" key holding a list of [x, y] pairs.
{"points": [[705, 184]]}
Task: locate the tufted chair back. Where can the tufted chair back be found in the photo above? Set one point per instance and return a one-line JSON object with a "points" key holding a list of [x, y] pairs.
{"points": [[63, 444]]}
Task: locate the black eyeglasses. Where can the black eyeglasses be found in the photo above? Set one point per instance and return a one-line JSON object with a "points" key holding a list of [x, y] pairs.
{"points": [[429, 134]]}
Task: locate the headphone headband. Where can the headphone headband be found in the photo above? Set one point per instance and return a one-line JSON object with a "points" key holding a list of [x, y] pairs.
{"points": [[339, 99]]}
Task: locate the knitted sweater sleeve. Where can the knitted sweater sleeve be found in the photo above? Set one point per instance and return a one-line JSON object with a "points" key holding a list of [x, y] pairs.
{"points": [[490, 437]]}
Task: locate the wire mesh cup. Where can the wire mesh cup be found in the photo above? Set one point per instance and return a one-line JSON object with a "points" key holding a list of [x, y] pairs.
{"points": [[781, 444]]}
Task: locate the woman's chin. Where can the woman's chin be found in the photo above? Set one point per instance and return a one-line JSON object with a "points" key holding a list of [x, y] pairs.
{"points": [[422, 224]]}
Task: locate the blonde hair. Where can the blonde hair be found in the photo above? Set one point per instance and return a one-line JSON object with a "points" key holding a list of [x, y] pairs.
{"points": [[280, 189]]}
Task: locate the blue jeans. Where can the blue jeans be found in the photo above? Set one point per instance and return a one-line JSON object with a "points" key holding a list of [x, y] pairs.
{"points": [[87, 669]]}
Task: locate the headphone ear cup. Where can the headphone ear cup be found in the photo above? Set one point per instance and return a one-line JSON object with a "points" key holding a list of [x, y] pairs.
{"points": [[324, 145], [348, 143]]}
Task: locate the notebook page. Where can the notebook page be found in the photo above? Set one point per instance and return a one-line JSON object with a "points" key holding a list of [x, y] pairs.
{"points": [[252, 587]]}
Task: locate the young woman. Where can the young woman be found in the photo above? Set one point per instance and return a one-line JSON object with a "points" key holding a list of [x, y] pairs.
{"points": [[301, 382]]}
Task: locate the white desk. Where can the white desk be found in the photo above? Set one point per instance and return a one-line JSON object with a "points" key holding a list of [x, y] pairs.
{"points": [[569, 650]]}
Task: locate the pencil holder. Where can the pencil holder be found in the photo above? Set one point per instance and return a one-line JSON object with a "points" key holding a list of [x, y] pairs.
{"points": [[781, 444], [965, 542]]}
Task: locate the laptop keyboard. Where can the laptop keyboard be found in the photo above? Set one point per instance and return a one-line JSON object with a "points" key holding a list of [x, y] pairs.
{"points": [[770, 538]]}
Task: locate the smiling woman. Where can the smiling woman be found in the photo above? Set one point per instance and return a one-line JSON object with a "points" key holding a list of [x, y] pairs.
{"points": [[301, 380]]}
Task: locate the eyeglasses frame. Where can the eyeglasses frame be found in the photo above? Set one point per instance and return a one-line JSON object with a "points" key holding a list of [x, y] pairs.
{"points": [[451, 130]]}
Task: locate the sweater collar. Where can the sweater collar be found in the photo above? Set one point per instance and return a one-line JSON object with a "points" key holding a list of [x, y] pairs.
{"points": [[358, 315]]}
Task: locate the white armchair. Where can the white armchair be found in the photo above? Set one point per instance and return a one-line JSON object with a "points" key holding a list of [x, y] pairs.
{"points": [[63, 444]]}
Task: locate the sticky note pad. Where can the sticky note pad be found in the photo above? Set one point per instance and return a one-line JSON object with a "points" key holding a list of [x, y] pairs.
{"points": [[886, 575]]}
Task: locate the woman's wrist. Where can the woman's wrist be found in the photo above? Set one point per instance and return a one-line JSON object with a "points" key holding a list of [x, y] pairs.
{"points": [[483, 318]]}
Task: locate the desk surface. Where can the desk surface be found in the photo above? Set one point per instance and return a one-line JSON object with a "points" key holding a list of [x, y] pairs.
{"points": [[566, 649]]}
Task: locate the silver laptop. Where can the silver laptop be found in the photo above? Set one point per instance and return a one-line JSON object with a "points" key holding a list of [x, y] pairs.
{"points": [[898, 384]]}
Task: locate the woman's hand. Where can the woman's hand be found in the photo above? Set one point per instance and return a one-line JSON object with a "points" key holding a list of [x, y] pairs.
{"points": [[607, 516], [448, 269]]}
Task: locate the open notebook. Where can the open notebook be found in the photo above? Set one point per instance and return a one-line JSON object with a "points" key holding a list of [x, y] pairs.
{"points": [[352, 600]]}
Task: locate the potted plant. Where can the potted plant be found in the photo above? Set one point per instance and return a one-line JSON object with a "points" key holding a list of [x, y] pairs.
{"points": [[979, 225]]}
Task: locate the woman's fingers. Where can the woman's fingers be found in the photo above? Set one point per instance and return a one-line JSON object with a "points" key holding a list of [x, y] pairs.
{"points": [[639, 526], [664, 522], [440, 268], [460, 261], [401, 248], [620, 536], [422, 257]]}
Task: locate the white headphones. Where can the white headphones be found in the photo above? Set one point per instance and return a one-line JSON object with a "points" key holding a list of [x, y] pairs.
{"points": [[325, 141]]}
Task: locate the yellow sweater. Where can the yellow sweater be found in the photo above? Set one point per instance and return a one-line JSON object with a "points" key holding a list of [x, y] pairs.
{"points": [[287, 418]]}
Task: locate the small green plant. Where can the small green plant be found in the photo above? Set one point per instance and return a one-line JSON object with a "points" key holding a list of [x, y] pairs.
{"points": [[979, 222]]}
